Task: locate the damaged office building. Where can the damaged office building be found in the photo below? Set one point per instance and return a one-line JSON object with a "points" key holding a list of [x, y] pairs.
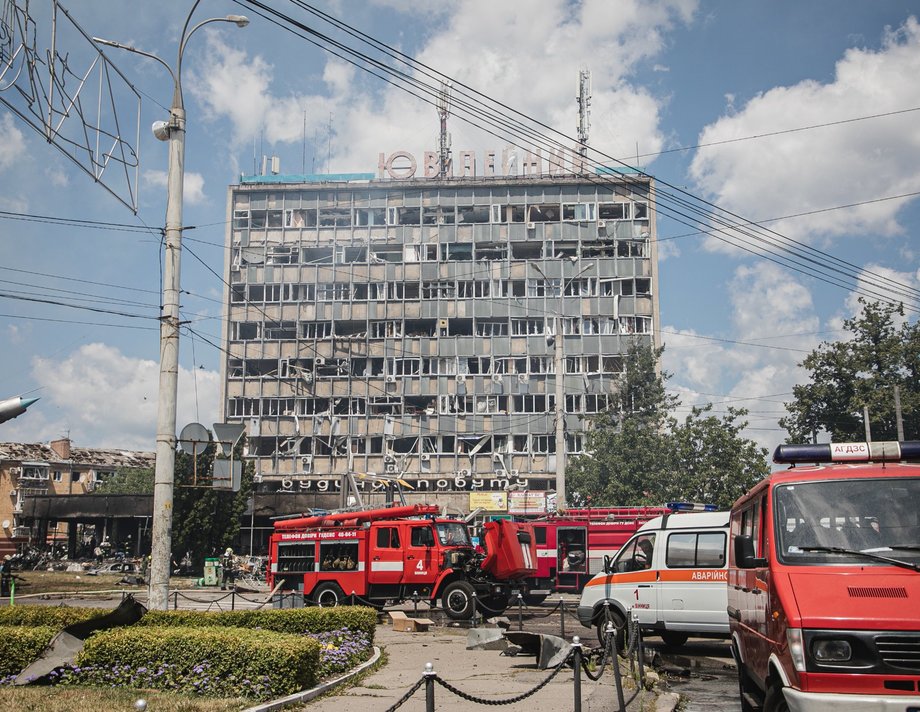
{"points": [[402, 327]]}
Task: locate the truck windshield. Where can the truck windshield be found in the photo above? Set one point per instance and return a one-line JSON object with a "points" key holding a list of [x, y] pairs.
{"points": [[876, 516], [453, 534]]}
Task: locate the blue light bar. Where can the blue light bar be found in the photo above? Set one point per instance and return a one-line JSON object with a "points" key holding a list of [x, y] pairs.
{"points": [[691, 507], [879, 451]]}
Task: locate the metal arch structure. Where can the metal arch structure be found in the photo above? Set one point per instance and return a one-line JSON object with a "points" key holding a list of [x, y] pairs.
{"points": [[72, 95]]}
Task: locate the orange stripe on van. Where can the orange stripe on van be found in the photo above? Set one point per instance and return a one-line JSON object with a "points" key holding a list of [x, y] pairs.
{"points": [[671, 575], [631, 577]]}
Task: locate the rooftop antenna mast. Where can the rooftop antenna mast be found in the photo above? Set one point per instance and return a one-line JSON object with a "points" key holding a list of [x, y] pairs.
{"points": [[444, 142], [584, 111]]}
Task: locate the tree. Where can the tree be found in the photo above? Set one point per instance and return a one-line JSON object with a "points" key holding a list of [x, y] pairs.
{"points": [[861, 371], [637, 453], [205, 520], [130, 480]]}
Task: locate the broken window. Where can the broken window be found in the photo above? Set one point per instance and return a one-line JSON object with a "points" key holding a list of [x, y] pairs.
{"points": [[579, 212], [543, 287], [491, 251], [316, 255], [548, 212], [300, 218], [367, 217], [640, 211], [245, 331], [527, 327], [386, 329], [282, 255], [526, 250], [473, 214], [240, 219], [534, 403], [284, 330], [315, 329], [542, 444], [472, 290], [458, 252], [613, 211], [438, 290], [491, 327]]}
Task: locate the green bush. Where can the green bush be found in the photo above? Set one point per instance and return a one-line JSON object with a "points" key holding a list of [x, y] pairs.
{"points": [[57, 617], [215, 661], [21, 645], [295, 620]]}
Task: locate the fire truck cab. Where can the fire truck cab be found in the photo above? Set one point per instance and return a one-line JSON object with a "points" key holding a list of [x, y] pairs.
{"points": [[399, 553], [824, 581]]}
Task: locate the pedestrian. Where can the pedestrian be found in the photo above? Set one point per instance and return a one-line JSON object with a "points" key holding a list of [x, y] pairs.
{"points": [[6, 576], [226, 563]]}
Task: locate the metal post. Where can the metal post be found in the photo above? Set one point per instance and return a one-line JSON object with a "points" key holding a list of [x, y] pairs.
{"points": [[897, 413], [475, 610], [562, 617], [610, 642], [576, 663], [866, 424], [175, 600], [640, 651], [415, 603], [233, 600], [520, 612], [429, 687], [559, 365]]}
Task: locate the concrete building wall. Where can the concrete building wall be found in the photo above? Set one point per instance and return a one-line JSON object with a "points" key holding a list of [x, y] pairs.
{"points": [[404, 327]]}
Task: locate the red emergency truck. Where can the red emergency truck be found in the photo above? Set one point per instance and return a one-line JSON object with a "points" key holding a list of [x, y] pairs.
{"points": [[397, 553], [571, 548], [824, 581]]}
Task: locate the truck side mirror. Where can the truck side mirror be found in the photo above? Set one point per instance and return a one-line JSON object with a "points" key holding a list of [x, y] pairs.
{"points": [[608, 562], [744, 553]]}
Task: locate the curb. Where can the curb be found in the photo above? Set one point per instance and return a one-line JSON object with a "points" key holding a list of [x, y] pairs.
{"points": [[307, 695]]}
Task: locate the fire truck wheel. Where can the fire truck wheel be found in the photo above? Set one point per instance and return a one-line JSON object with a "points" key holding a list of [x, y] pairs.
{"points": [[328, 595], [534, 599], [457, 600], [674, 638], [775, 701], [492, 606], [619, 625]]}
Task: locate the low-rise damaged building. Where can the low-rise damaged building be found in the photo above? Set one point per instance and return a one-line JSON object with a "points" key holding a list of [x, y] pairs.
{"points": [[42, 496]]}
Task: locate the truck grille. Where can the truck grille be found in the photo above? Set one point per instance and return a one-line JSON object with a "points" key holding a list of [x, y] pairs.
{"points": [[899, 651]]}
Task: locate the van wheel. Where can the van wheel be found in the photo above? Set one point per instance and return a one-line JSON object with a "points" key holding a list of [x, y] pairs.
{"points": [[775, 701], [674, 638], [457, 600], [328, 595], [619, 626]]}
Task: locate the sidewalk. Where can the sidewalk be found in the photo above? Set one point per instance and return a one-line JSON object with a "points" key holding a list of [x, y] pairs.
{"points": [[483, 674]]}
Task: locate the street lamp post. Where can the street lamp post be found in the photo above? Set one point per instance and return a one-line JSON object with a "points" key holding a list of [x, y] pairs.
{"points": [[559, 367], [174, 132]]}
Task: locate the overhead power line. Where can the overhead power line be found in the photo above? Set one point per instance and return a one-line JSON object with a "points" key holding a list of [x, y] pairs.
{"points": [[477, 109]]}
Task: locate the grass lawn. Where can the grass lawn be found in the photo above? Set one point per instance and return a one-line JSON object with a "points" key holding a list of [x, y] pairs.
{"points": [[67, 581], [84, 699]]}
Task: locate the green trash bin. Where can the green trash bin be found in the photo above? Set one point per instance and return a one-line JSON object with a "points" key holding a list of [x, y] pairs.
{"points": [[211, 572]]}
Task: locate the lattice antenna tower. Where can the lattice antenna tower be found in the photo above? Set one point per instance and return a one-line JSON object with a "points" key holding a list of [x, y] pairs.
{"points": [[444, 140], [584, 110]]}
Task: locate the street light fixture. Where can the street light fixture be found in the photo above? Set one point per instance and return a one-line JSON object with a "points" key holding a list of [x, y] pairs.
{"points": [[559, 367], [174, 132]]}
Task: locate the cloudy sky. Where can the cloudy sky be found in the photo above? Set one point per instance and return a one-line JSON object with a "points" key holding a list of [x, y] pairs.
{"points": [[801, 117]]}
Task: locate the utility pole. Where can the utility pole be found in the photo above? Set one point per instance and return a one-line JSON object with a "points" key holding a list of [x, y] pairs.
{"points": [[897, 413], [172, 131], [584, 111]]}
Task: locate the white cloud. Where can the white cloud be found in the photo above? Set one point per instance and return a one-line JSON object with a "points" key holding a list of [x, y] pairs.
{"points": [[775, 317], [514, 43], [883, 282], [192, 185], [836, 165], [103, 398], [12, 142]]}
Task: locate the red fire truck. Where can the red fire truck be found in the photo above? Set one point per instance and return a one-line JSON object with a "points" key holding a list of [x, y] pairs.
{"points": [[397, 553], [571, 548]]}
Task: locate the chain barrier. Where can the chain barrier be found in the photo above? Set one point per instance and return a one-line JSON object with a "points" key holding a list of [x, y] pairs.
{"points": [[510, 700], [405, 698]]}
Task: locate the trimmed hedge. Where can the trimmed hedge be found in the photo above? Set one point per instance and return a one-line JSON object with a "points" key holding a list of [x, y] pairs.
{"points": [[293, 620], [57, 617], [213, 661], [20, 645]]}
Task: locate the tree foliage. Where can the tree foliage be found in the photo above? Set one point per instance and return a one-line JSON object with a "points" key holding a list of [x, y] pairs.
{"points": [[881, 352], [130, 480], [206, 520], [638, 453]]}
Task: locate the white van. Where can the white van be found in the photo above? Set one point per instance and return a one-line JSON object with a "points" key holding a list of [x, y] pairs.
{"points": [[671, 576]]}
